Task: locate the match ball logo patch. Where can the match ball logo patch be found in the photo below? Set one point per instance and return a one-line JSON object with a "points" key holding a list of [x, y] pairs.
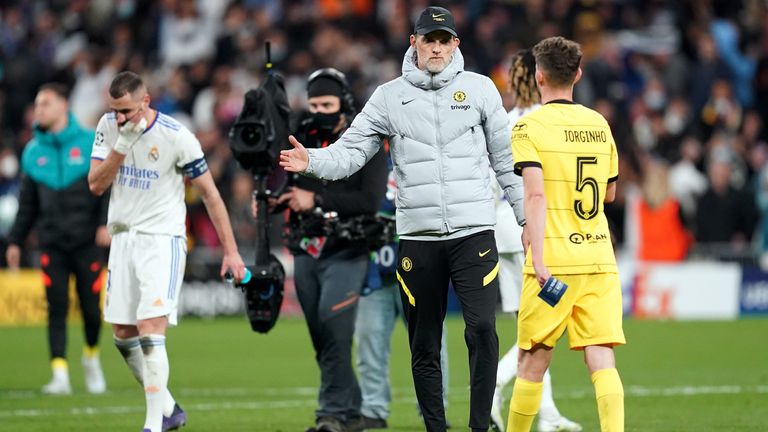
{"points": [[99, 139], [406, 264], [459, 96]]}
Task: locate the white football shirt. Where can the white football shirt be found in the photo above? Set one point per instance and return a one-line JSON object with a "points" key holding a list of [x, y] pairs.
{"points": [[147, 194]]}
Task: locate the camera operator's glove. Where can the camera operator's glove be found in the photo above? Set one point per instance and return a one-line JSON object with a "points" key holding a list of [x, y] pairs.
{"points": [[128, 135]]}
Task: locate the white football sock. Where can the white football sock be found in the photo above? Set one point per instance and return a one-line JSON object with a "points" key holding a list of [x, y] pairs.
{"points": [[507, 367], [548, 410], [156, 372], [130, 349]]}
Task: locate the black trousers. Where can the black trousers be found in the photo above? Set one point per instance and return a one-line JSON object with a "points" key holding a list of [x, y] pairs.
{"points": [[328, 289], [424, 270], [57, 265]]}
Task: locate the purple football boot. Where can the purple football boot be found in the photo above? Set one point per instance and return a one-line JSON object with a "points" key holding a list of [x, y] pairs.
{"points": [[176, 420]]}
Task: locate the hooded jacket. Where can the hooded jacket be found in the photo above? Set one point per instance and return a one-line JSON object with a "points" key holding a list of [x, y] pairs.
{"points": [[443, 129], [54, 190]]}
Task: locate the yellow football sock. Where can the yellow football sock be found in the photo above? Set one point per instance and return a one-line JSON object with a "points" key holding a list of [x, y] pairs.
{"points": [[59, 363], [610, 399], [526, 398], [91, 351]]}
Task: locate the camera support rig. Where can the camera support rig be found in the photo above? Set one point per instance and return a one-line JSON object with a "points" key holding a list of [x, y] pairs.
{"points": [[256, 138]]}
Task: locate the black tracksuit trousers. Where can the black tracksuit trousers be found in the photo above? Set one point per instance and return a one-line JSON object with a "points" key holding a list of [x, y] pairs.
{"points": [[57, 265], [424, 270]]}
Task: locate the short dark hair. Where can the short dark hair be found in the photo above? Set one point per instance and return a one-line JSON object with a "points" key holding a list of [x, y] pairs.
{"points": [[58, 88], [125, 82], [559, 59]]}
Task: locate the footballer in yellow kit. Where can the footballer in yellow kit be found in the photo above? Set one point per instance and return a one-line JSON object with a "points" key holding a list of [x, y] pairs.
{"points": [[574, 148]]}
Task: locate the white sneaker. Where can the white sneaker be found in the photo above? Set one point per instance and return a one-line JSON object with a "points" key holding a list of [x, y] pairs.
{"points": [[497, 420], [559, 424], [94, 377], [59, 385]]}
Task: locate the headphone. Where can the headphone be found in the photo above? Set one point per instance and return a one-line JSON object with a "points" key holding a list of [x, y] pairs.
{"points": [[347, 99]]}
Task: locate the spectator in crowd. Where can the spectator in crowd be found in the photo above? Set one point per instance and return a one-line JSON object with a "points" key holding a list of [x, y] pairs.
{"points": [[71, 227], [9, 192], [722, 112], [662, 232], [686, 182], [727, 215]]}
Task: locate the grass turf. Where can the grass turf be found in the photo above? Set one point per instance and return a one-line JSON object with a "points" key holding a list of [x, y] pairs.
{"points": [[678, 376]]}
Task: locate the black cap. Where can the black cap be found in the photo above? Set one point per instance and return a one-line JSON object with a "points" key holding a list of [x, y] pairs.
{"points": [[435, 18]]}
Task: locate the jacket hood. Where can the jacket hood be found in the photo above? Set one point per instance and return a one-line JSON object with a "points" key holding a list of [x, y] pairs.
{"points": [[429, 81], [55, 139]]}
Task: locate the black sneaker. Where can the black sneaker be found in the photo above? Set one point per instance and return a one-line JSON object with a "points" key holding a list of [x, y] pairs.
{"points": [[329, 424], [362, 423], [373, 423]]}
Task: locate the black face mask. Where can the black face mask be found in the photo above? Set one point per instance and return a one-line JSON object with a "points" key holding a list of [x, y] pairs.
{"points": [[326, 122]]}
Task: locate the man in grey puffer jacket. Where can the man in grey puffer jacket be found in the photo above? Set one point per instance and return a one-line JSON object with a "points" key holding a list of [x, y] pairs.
{"points": [[443, 125]]}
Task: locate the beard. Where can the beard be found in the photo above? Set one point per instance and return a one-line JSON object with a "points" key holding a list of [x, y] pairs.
{"points": [[436, 66]]}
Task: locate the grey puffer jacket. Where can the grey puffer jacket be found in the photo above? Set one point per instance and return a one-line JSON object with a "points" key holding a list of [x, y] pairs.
{"points": [[442, 129]]}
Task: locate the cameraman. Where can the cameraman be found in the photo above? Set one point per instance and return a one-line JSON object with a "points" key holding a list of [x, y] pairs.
{"points": [[329, 269]]}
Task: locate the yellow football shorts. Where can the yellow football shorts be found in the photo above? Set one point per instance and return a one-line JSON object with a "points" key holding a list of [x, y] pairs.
{"points": [[590, 309]]}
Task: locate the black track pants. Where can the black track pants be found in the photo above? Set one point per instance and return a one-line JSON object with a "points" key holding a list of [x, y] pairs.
{"points": [[424, 270]]}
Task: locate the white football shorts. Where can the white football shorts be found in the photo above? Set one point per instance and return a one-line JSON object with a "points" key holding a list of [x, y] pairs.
{"points": [[144, 277], [511, 280]]}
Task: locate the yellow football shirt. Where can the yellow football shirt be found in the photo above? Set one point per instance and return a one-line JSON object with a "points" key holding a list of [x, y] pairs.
{"points": [[573, 146]]}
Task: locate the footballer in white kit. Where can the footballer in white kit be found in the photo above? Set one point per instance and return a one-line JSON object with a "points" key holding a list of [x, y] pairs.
{"points": [[147, 218], [143, 156], [511, 253]]}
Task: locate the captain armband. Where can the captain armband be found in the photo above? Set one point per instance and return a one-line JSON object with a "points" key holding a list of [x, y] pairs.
{"points": [[195, 168]]}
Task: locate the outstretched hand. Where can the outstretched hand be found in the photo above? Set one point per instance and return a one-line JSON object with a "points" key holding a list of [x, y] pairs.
{"points": [[296, 159]]}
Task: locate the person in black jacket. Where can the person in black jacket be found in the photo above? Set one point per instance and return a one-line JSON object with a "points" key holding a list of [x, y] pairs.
{"points": [[330, 266], [70, 228]]}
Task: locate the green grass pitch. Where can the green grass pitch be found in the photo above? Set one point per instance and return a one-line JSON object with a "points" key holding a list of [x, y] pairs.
{"points": [[678, 376]]}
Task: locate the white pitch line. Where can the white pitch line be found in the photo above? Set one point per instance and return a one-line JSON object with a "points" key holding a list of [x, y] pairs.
{"points": [[458, 393]]}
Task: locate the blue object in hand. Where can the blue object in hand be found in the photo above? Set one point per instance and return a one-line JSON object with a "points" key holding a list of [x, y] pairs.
{"points": [[553, 291], [246, 278]]}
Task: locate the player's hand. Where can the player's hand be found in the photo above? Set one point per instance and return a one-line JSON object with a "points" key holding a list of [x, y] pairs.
{"points": [[128, 135], [102, 237], [542, 273], [296, 159], [234, 263], [13, 256]]}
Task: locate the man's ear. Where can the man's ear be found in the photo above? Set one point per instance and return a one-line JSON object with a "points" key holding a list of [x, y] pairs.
{"points": [[456, 42], [578, 76], [413, 40], [539, 76]]}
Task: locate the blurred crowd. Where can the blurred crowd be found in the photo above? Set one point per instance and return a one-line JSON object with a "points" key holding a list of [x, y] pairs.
{"points": [[683, 84]]}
